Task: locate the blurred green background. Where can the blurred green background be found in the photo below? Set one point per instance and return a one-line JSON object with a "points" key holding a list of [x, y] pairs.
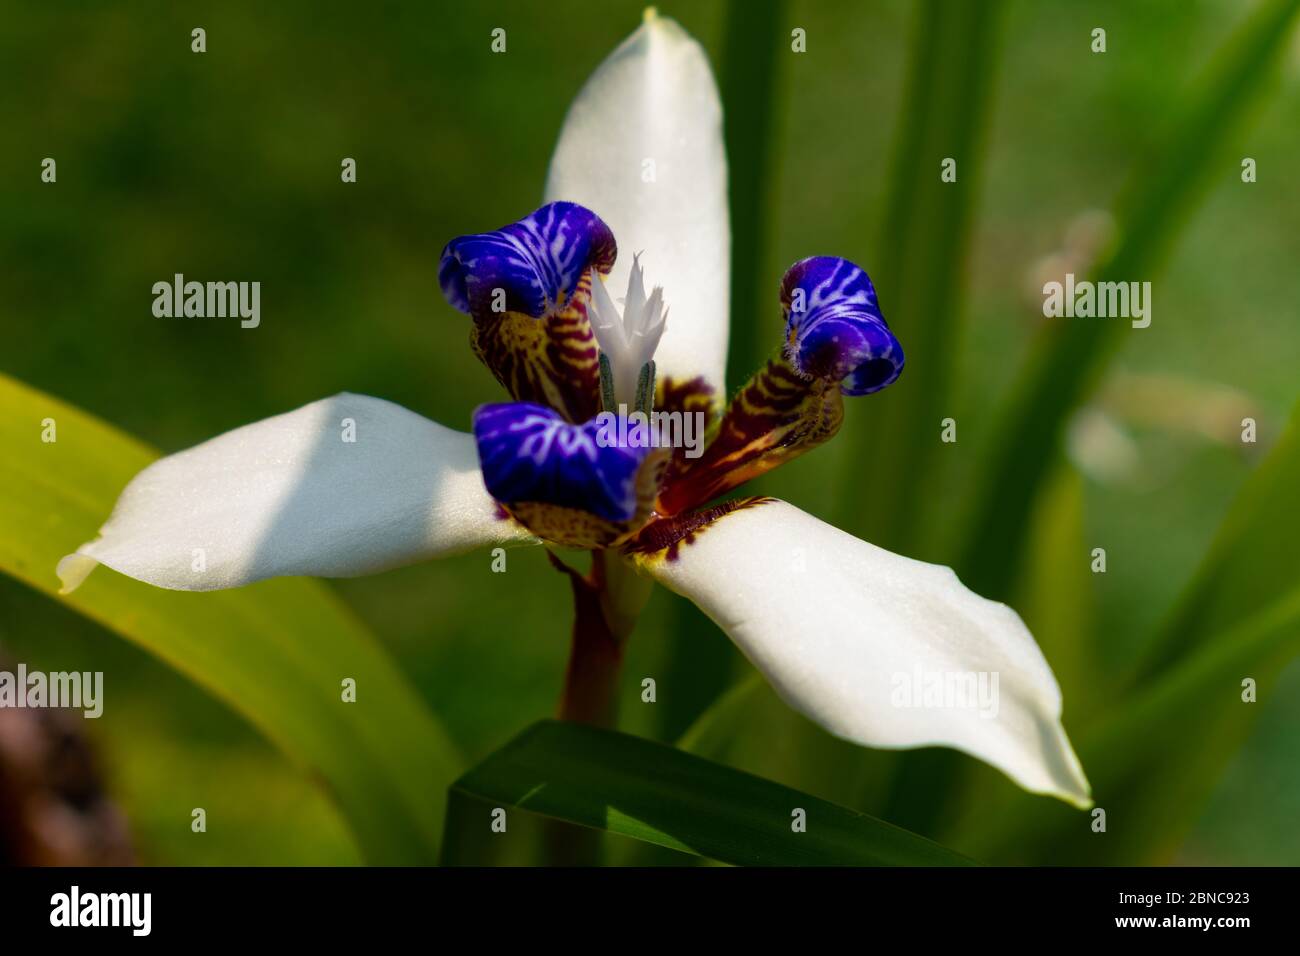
{"points": [[226, 166]]}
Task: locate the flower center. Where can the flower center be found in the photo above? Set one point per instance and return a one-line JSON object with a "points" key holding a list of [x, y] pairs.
{"points": [[627, 341]]}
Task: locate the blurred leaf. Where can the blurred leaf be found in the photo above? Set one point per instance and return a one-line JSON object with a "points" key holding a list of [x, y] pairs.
{"points": [[276, 652], [1072, 354], [717, 727], [1154, 758], [918, 268], [699, 663], [750, 68], [203, 755], [751, 729], [1255, 557], [647, 791], [157, 771], [1153, 761], [1238, 619], [1056, 593]]}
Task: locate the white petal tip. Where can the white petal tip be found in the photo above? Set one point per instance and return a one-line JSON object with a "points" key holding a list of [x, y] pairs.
{"points": [[1065, 771], [1075, 789], [72, 569], [1048, 768], [1079, 799], [1077, 792], [654, 98], [653, 20]]}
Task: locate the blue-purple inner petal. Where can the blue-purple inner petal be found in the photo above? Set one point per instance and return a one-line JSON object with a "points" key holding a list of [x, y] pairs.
{"points": [[529, 453], [834, 327], [537, 262]]}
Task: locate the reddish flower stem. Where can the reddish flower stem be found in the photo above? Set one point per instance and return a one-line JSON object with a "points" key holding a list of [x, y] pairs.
{"points": [[590, 695], [596, 655]]}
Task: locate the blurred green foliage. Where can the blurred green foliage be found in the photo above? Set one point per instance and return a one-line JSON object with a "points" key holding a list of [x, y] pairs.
{"points": [[226, 165]]}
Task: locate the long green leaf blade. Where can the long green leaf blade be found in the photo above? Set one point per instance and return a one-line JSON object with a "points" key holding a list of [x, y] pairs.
{"points": [[650, 792], [1070, 358], [750, 69], [277, 652], [919, 267]]}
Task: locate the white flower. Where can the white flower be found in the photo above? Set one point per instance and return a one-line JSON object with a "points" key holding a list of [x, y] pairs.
{"points": [[830, 620]]}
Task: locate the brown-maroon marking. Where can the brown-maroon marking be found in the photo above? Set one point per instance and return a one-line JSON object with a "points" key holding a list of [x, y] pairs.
{"points": [[669, 534]]}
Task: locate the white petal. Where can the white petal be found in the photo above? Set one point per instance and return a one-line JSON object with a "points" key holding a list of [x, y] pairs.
{"points": [[843, 630], [606, 323], [651, 328], [653, 101], [289, 495], [634, 304]]}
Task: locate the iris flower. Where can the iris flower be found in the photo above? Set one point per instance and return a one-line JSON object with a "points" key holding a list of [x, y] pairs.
{"points": [[559, 313]]}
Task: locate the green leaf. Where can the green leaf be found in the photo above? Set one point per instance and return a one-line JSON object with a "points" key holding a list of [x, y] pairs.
{"points": [[1056, 594], [919, 265], [276, 652], [1069, 359], [650, 792], [716, 728], [751, 65]]}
